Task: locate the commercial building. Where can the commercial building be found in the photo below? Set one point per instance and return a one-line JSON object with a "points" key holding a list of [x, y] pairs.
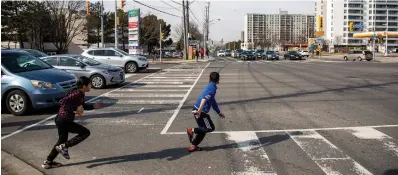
{"points": [[341, 19], [277, 29]]}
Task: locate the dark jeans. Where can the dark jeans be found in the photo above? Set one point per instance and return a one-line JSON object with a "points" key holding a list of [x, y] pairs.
{"points": [[205, 125], [64, 128]]}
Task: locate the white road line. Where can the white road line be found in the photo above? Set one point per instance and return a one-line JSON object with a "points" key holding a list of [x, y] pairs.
{"points": [[173, 78], [149, 90], [140, 110], [373, 134], [128, 75], [292, 130], [320, 150], [141, 102], [163, 82], [182, 70], [51, 117], [140, 95], [249, 145], [181, 103], [166, 80], [159, 86]]}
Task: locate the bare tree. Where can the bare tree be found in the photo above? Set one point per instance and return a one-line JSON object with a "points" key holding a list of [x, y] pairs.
{"points": [[338, 40], [66, 22]]}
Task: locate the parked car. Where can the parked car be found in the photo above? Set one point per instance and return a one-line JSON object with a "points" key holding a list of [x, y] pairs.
{"points": [[247, 55], [237, 53], [228, 52], [34, 85], [221, 53], [101, 75], [259, 53], [118, 58], [270, 55], [36, 53], [292, 55], [358, 55], [304, 53]]}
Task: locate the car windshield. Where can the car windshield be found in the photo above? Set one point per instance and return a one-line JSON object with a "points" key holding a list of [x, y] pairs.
{"points": [[305, 51], [122, 52], [17, 62], [36, 53], [270, 52], [87, 60], [260, 51], [292, 52], [228, 51], [367, 52]]}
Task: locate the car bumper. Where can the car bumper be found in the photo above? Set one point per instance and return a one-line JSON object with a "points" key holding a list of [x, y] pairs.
{"points": [[142, 64], [46, 98], [115, 78]]}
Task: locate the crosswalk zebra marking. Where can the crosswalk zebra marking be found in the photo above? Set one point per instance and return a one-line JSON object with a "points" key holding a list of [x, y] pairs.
{"points": [[147, 95], [326, 155]]}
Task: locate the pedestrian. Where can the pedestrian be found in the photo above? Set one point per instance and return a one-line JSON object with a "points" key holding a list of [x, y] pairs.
{"points": [[207, 52], [197, 54], [72, 104], [200, 111], [202, 52], [193, 53]]}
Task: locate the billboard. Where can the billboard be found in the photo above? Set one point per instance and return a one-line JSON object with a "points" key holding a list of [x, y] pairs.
{"points": [[134, 31]]}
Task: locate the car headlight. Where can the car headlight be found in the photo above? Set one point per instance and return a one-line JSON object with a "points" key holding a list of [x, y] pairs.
{"points": [[142, 59], [42, 84]]}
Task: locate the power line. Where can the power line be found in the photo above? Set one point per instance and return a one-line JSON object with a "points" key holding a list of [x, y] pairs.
{"points": [[196, 18], [170, 5], [156, 9], [176, 2]]}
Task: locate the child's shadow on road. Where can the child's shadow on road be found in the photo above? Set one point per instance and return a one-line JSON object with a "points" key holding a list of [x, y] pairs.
{"points": [[173, 153]]}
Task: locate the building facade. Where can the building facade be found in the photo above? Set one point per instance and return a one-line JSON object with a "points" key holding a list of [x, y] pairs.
{"points": [[336, 17], [278, 29]]}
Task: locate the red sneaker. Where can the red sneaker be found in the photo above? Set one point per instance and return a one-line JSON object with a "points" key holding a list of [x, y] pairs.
{"points": [[190, 134], [194, 148]]}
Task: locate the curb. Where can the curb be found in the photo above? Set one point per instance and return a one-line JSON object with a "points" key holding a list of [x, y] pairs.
{"points": [[12, 165]]}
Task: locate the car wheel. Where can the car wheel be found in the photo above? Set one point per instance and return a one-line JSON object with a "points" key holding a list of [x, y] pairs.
{"points": [[98, 81], [131, 67], [17, 102], [345, 59], [368, 59]]}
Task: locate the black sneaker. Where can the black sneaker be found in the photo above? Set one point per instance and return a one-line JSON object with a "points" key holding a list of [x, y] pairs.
{"points": [[63, 151], [50, 164]]}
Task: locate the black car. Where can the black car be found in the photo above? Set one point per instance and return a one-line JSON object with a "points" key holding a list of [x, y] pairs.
{"points": [[270, 55], [247, 55], [292, 55], [259, 53]]}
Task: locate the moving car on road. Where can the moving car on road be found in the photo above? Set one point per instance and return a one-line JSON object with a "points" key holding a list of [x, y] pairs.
{"points": [[247, 55], [358, 55], [118, 58], [270, 55], [292, 55], [304, 53], [221, 53], [101, 75], [28, 82]]}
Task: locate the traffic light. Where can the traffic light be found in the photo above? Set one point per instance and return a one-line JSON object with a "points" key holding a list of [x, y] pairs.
{"points": [[351, 26], [88, 7], [161, 35], [122, 3]]}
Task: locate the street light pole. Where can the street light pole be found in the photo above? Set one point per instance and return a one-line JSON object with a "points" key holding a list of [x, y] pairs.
{"points": [[386, 49], [116, 24], [374, 30], [102, 23]]}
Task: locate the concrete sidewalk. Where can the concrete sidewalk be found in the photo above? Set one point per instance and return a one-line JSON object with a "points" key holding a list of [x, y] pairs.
{"points": [[12, 165]]}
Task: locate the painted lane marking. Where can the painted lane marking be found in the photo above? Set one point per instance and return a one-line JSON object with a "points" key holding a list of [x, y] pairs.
{"points": [[170, 121], [141, 102], [140, 110], [150, 90], [326, 155], [163, 82], [148, 95], [250, 147], [157, 86], [373, 134]]}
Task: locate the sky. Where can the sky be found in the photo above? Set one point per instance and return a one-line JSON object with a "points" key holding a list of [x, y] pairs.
{"points": [[230, 12]]}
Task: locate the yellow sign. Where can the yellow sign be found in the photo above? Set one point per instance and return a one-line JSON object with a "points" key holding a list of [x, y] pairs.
{"points": [[161, 35], [318, 34], [320, 23], [311, 40]]}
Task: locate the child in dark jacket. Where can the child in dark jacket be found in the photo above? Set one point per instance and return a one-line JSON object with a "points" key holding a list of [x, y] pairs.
{"points": [[201, 109], [72, 104]]}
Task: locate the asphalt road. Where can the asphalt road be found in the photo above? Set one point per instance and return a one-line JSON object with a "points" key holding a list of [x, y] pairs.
{"points": [[282, 117]]}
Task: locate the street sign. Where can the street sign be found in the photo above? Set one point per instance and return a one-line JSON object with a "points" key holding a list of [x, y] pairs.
{"points": [[193, 42]]}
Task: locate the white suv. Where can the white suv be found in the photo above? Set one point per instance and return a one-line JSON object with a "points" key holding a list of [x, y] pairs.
{"points": [[118, 58]]}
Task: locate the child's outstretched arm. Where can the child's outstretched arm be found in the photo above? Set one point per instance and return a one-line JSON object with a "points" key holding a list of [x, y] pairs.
{"points": [[216, 108]]}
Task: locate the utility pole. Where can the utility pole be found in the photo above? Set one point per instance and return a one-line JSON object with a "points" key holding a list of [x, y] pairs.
{"points": [[187, 27], [184, 31], [102, 23], [386, 49], [204, 32], [160, 42], [374, 30], [116, 45]]}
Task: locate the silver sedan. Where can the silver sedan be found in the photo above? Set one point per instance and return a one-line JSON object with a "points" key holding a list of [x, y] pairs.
{"points": [[100, 74]]}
